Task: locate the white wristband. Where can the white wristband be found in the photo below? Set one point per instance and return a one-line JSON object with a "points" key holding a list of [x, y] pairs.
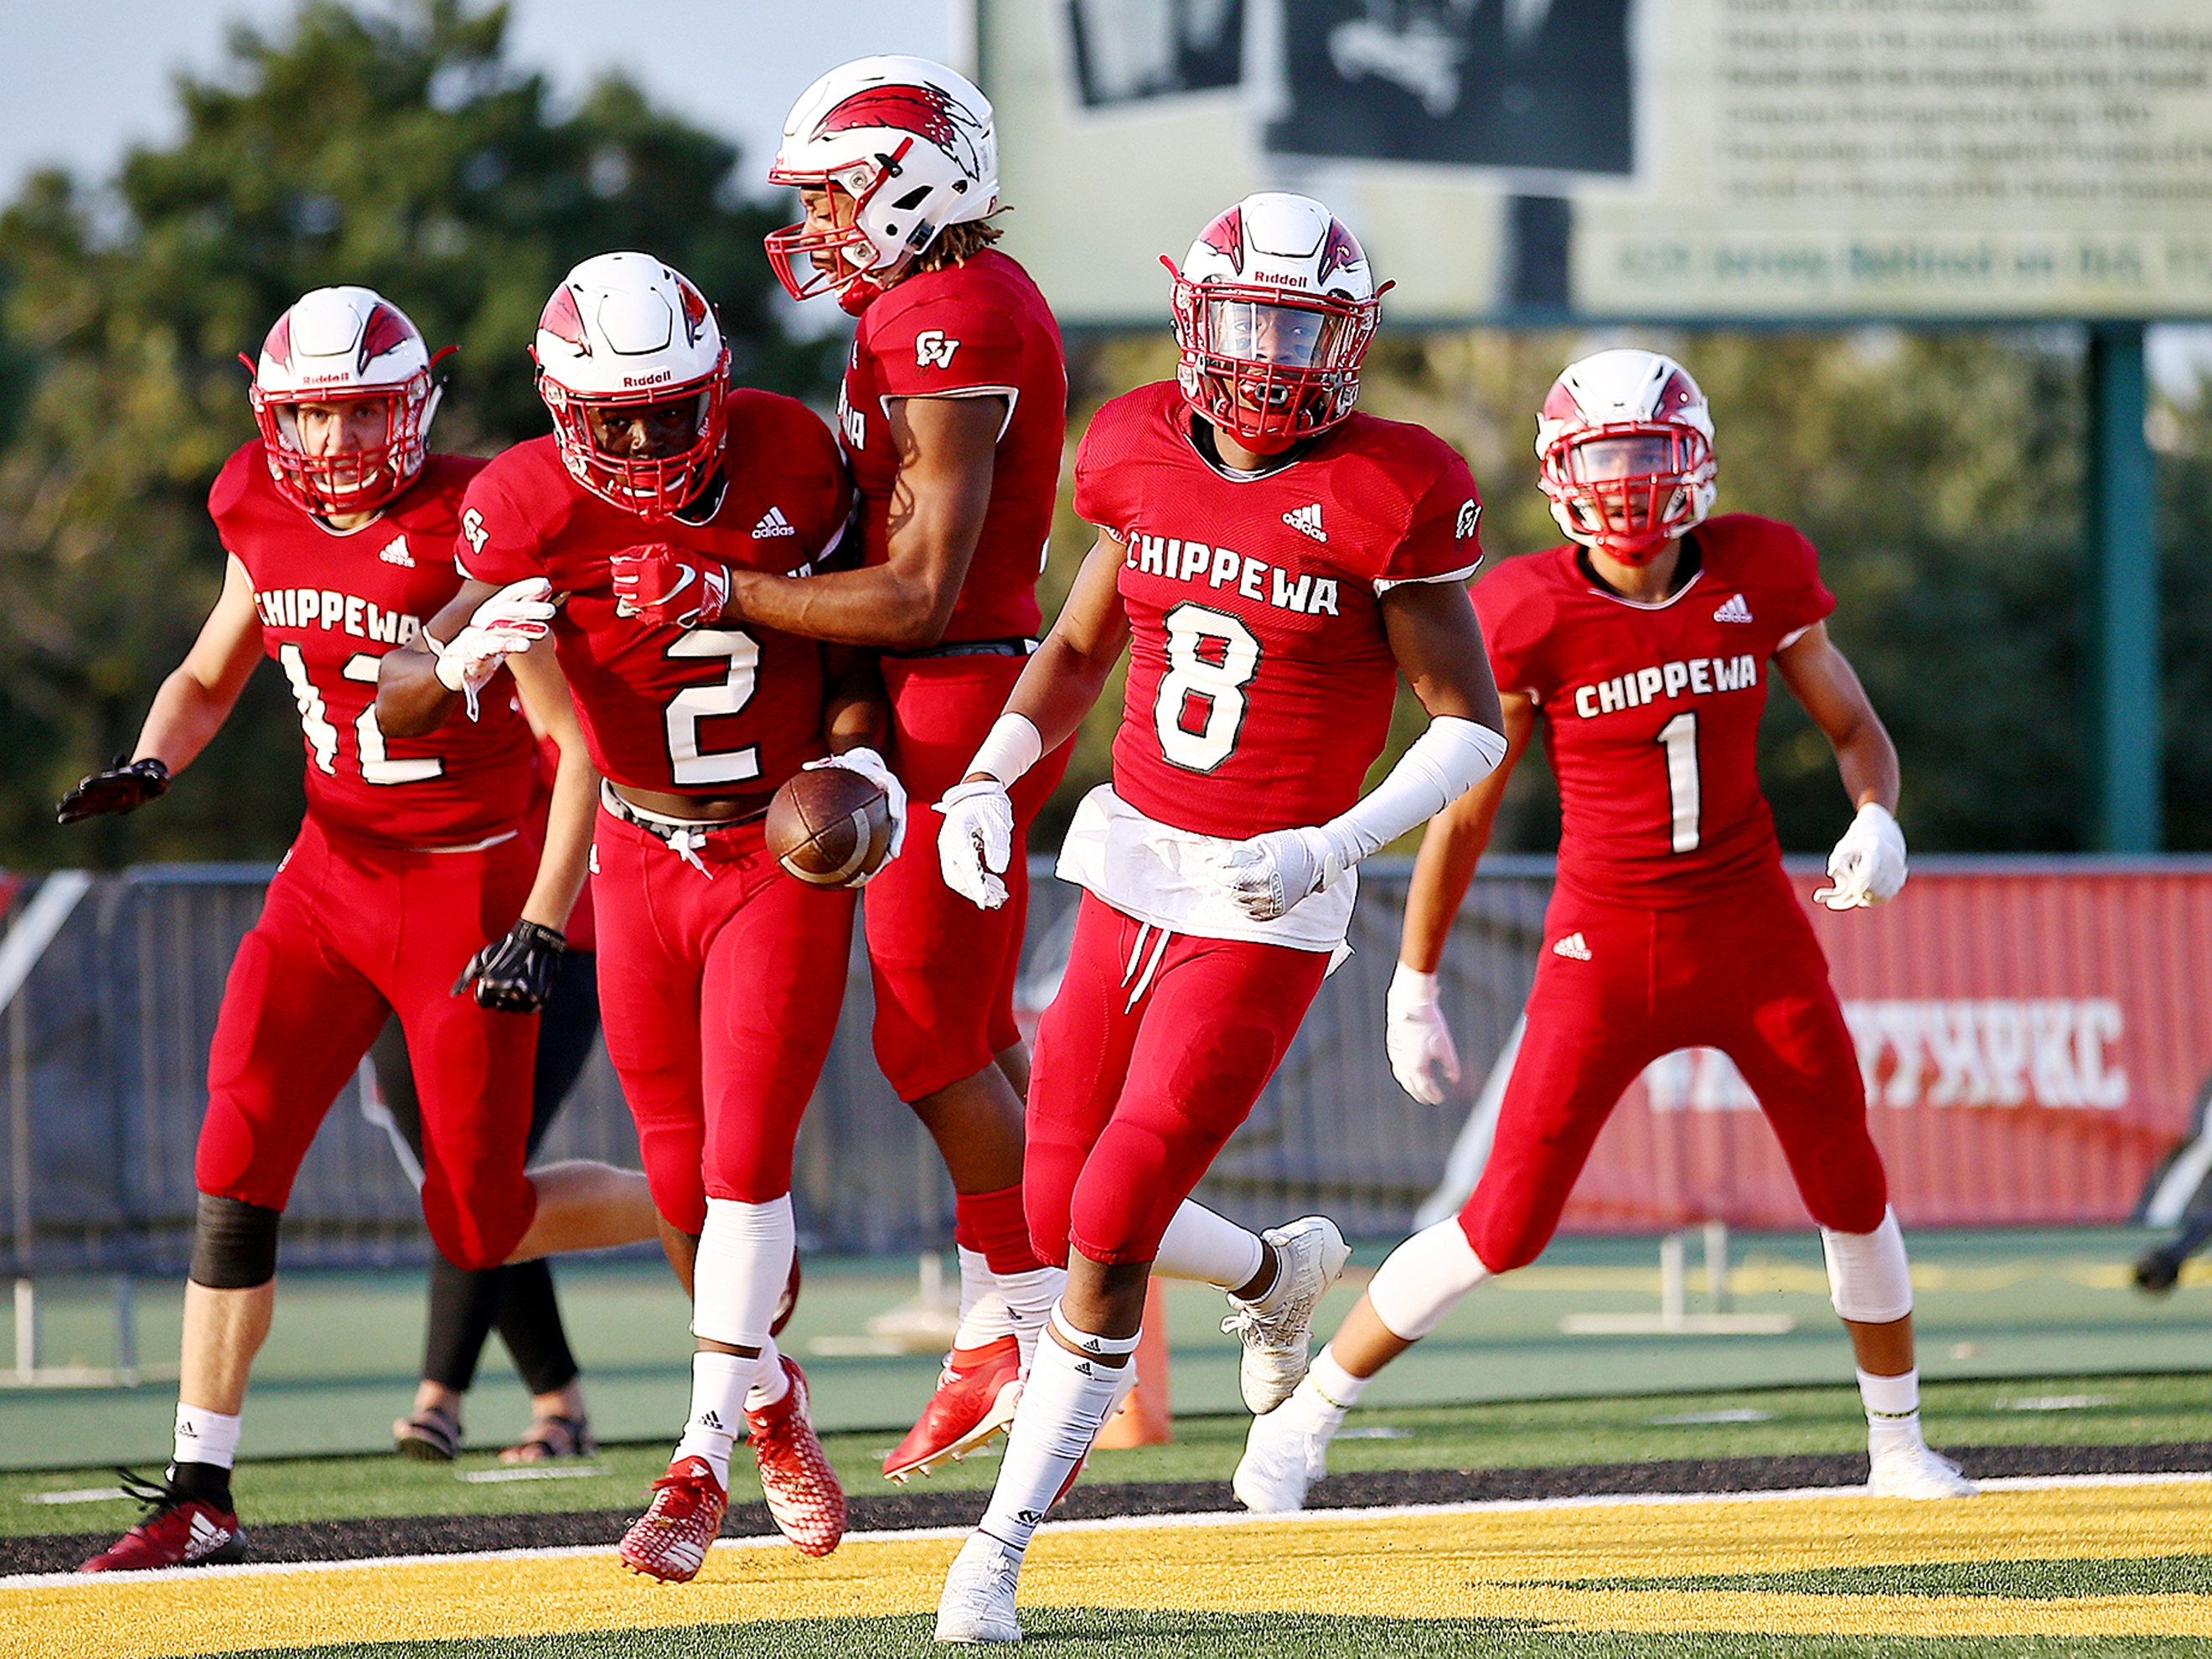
{"points": [[1013, 746]]}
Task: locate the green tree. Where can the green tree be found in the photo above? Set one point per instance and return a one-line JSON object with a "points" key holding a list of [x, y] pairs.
{"points": [[403, 151]]}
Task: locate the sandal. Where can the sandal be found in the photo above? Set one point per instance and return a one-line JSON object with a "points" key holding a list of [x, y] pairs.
{"points": [[432, 1435], [551, 1437]]}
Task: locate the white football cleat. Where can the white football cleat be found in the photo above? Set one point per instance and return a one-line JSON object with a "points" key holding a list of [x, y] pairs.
{"points": [[1912, 1470], [1284, 1454], [1277, 1328], [978, 1603]]}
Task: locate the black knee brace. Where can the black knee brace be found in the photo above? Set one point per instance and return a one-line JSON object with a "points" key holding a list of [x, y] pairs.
{"points": [[233, 1244]]}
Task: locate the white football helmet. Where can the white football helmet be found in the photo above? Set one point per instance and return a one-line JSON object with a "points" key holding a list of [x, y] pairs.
{"points": [[344, 345], [626, 332], [1625, 443], [1274, 308], [913, 147]]}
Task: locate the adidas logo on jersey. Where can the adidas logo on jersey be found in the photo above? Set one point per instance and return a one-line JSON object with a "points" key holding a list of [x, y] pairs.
{"points": [[773, 523], [1574, 947], [395, 552], [1307, 521], [1734, 610]]}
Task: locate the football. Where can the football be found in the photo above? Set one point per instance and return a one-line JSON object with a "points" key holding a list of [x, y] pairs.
{"points": [[830, 827]]}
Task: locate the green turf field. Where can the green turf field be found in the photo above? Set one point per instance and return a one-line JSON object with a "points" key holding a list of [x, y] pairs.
{"points": [[340, 1363]]}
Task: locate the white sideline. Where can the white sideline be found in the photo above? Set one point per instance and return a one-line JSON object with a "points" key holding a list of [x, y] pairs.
{"points": [[1135, 1523]]}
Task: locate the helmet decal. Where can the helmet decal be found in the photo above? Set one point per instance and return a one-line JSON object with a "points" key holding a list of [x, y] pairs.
{"points": [[564, 321], [1339, 252], [277, 348], [1225, 236], [1676, 394], [695, 308], [924, 111], [1560, 403], [384, 330]]}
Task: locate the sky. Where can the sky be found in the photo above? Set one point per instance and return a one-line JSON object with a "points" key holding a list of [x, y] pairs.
{"points": [[85, 79]]}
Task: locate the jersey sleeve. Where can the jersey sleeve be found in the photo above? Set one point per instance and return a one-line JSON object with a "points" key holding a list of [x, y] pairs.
{"points": [[1511, 635], [1802, 598], [1099, 499], [498, 542], [949, 345], [821, 486], [228, 490], [1443, 542]]}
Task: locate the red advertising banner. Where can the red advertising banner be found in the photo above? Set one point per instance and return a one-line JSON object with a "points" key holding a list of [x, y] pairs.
{"points": [[2034, 1044]]}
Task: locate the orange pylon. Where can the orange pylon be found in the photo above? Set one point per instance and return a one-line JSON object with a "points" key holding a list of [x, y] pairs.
{"points": [[1145, 1419]]}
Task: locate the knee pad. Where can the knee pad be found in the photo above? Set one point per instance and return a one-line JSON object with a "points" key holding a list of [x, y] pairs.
{"points": [[233, 1244], [1423, 1277], [1868, 1279]]}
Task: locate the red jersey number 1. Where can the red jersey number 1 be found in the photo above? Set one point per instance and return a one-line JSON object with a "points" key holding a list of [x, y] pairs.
{"points": [[1678, 738]]}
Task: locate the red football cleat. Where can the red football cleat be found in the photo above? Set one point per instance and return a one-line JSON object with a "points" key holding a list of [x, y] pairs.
{"points": [[668, 1541], [973, 1404], [177, 1531], [801, 1489]]}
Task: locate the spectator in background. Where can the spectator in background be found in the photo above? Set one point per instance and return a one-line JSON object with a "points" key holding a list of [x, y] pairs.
{"points": [[517, 1301]]}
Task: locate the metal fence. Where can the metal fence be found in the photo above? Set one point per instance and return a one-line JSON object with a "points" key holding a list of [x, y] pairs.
{"points": [[103, 1049]]}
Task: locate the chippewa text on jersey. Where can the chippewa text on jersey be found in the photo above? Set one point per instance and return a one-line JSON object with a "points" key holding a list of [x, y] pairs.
{"points": [[326, 608], [1223, 569], [1697, 677]]}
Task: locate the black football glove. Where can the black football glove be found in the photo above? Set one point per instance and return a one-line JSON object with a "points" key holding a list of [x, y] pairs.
{"points": [[124, 786], [514, 974]]}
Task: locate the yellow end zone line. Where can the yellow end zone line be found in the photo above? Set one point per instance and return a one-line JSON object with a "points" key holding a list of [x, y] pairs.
{"points": [[2034, 1483], [1472, 1561]]}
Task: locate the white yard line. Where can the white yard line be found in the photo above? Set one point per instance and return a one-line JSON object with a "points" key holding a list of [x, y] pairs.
{"points": [[1142, 1523]]}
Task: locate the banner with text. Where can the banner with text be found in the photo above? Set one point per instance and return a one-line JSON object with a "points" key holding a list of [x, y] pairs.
{"points": [[1663, 158], [2034, 1047]]}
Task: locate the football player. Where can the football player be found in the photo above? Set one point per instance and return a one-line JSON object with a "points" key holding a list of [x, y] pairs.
{"points": [[719, 976], [953, 414], [1273, 562], [1645, 645], [518, 1301], [412, 866]]}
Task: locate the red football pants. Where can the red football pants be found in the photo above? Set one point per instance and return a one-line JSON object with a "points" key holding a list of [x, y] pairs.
{"points": [[1151, 1056], [1743, 975], [350, 933], [719, 992], [945, 971]]}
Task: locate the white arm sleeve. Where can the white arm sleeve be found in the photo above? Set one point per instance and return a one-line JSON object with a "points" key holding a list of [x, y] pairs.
{"points": [[1443, 763]]}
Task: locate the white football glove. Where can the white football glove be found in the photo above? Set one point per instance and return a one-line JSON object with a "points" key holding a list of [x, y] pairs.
{"points": [[1416, 1037], [1270, 874], [870, 765], [977, 841], [1868, 866], [510, 620]]}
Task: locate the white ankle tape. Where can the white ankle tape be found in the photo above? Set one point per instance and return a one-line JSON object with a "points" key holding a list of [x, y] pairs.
{"points": [[1098, 1347]]}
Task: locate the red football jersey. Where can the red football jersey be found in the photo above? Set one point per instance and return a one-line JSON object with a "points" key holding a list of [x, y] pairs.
{"points": [[1651, 712], [331, 603], [711, 710], [978, 327], [1258, 660]]}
